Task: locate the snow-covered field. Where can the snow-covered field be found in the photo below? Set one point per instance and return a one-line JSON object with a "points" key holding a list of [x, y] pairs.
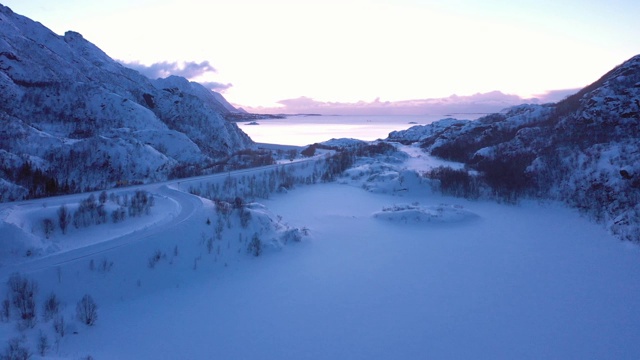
{"points": [[385, 269]]}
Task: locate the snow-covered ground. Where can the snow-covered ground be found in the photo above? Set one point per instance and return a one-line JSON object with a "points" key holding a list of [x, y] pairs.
{"points": [[470, 280]]}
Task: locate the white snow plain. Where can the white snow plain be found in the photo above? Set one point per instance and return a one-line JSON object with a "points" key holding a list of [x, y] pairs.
{"points": [[489, 281]]}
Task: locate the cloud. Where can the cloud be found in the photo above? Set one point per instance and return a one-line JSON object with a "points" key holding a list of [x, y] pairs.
{"points": [[301, 102], [470, 106], [187, 69], [215, 86]]}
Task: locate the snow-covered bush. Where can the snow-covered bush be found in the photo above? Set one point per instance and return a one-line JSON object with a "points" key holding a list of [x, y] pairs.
{"points": [[294, 235]]}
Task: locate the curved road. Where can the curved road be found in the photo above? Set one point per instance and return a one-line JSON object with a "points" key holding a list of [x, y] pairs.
{"points": [[187, 205]]}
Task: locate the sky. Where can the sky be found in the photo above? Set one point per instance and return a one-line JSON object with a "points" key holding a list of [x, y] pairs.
{"points": [[259, 53]]}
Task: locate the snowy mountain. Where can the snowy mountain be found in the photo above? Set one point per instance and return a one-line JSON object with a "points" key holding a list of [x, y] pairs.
{"points": [[583, 150], [74, 119]]}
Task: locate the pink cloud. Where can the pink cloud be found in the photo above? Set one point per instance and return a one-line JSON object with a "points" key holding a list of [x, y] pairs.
{"points": [[490, 102]]}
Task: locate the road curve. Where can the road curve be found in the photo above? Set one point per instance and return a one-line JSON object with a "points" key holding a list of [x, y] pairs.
{"points": [[187, 204]]}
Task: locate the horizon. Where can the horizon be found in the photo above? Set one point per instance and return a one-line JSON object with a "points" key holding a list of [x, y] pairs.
{"points": [[281, 56]]}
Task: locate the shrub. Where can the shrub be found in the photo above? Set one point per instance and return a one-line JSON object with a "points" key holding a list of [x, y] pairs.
{"points": [[238, 203], [23, 297], [507, 177], [292, 235], [455, 182], [87, 310], [245, 217], [5, 310], [209, 245], [47, 227], [141, 203], [16, 350], [309, 151], [106, 265], [43, 343], [255, 245], [119, 214], [51, 307], [155, 258], [59, 325], [64, 217], [103, 197]]}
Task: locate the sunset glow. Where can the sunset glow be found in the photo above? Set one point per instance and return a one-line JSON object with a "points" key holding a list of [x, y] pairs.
{"points": [[347, 51]]}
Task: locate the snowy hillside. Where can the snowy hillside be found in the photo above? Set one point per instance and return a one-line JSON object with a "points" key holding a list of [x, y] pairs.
{"points": [[584, 150], [74, 119], [256, 264]]}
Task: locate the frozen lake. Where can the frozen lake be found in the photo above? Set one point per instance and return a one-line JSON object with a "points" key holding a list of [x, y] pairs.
{"points": [[304, 130]]}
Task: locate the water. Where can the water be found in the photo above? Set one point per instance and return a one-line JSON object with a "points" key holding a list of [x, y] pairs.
{"points": [[304, 130]]}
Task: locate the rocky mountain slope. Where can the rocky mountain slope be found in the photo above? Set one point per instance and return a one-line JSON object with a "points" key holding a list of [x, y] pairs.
{"points": [[584, 150], [74, 119]]}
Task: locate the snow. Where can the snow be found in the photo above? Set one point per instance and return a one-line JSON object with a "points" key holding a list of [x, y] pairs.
{"points": [[419, 132], [344, 143], [426, 215], [472, 279], [63, 97], [29, 215], [418, 160]]}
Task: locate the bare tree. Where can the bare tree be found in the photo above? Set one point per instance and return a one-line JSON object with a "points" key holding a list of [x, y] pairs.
{"points": [[209, 244], [245, 217], [59, 326], [5, 309], [23, 297], [47, 227], [103, 197], [51, 307], [155, 258], [255, 245], [64, 217], [87, 310], [16, 350], [43, 343]]}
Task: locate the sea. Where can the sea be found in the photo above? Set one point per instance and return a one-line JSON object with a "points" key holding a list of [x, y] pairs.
{"points": [[301, 130]]}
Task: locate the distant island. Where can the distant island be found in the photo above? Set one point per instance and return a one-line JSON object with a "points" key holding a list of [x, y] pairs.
{"points": [[245, 116], [242, 117]]}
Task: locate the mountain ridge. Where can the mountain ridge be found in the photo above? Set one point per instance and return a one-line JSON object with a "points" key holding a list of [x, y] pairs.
{"points": [[583, 150], [84, 121]]}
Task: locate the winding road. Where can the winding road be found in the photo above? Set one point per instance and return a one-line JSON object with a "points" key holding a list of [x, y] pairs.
{"points": [[186, 205]]}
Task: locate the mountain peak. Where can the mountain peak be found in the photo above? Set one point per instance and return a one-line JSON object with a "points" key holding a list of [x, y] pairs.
{"points": [[72, 35], [84, 120]]}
